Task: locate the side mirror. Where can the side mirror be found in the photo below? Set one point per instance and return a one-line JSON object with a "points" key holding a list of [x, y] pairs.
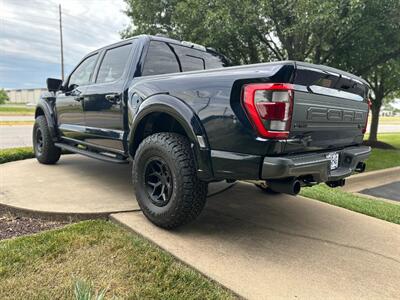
{"points": [[53, 85]]}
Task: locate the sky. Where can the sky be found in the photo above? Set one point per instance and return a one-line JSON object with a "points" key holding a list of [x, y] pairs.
{"points": [[30, 41]]}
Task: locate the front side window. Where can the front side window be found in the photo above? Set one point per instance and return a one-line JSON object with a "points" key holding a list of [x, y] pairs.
{"points": [[81, 75], [113, 65], [160, 60]]}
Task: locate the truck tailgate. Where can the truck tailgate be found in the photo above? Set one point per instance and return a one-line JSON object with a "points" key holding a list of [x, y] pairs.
{"points": [[330, 109]]}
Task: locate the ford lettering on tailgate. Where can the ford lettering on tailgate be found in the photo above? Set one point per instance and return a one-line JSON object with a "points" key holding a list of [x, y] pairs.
{"points": [[334, 114]]}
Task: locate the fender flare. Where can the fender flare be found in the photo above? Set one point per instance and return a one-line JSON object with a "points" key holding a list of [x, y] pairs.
{"points": [[186, 117], [49, 115]]}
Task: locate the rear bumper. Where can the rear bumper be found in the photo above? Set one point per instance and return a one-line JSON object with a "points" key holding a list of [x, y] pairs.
{"points": [[315, 164]]}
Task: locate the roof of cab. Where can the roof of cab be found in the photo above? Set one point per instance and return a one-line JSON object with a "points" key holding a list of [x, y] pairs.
{"points": [[142, 36]]}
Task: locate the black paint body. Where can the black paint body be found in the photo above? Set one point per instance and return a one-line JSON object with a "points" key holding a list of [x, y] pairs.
{"points": [[208, 104]]}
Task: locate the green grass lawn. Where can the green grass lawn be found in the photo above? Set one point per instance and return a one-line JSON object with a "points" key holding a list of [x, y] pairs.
{"points": [[390, 138], [16, 110], [382, 159], [47, 265], [13, 154], [371, 207], [387, 120]]}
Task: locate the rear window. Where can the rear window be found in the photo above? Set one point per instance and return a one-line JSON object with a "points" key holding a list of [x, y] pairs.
{"points": [[113, 65], [163, 58], [330, 84]]}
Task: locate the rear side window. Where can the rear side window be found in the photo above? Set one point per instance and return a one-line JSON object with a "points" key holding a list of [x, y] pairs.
{"points": [[81, 75], [113, 65], [164, 58], [193, 60], [160, 60]]}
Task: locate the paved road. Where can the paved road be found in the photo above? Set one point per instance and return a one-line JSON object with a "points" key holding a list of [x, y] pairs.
{"points": [[15, 136], [388, 191], [385, 128], [17, 118]]}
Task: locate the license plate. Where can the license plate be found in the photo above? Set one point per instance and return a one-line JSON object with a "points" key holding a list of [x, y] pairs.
{"points": [[334, 158]]}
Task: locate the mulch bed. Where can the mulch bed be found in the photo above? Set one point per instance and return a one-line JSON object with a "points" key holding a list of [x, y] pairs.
{"points": [[12, 226]]}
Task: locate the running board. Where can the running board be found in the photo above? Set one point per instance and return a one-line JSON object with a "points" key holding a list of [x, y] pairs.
{"points": [[91, 154]]}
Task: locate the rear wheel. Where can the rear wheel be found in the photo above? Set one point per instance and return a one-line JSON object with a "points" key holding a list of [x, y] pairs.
{"points": [[43, 145], [165, 180]]}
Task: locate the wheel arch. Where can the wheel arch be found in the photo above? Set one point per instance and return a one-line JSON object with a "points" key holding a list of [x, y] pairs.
{"points": [[44, 109], [164, 113]]}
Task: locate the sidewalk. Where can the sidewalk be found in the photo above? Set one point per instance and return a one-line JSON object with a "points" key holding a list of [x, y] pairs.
{"points": [[279, 247]]}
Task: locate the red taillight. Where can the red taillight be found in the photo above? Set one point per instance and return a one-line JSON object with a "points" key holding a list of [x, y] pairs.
{"points": [[269, 108], [364, 130]]}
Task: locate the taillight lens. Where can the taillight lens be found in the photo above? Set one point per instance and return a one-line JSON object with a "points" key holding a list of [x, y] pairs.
{"points": [[269, 108], [364, 130]]}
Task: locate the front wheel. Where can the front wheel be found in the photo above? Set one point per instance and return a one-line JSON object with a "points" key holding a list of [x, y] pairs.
{"points": [[165, 180], [43, 145]]}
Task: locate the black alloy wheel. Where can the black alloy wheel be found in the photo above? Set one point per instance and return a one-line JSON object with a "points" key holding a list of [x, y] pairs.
{"points": [[158, 181], [39, 141]]}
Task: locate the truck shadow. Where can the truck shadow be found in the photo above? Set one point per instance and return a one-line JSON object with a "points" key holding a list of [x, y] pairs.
{"points": [[229, 209], [242, 214]]}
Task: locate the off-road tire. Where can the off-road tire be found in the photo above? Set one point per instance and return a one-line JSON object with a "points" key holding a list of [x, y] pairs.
{"points": [[45, 151], [188, 195]]}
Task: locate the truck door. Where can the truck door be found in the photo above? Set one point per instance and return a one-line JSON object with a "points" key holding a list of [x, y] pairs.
{"points": [[103, 104], [69, 104]]}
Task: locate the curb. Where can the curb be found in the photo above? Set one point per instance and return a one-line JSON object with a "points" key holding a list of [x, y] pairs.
{"points": [[390, 172], [377, 198], [58, 216]]}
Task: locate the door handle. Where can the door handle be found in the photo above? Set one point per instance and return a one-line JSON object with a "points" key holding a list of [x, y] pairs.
{"points": [[113, 98], [79, 98]]}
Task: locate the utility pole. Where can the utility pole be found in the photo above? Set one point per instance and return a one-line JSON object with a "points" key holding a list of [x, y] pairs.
{"points": [[61, 44]]}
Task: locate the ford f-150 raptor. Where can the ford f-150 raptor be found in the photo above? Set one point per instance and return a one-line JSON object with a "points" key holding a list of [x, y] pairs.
{"points": [[185, 118]]}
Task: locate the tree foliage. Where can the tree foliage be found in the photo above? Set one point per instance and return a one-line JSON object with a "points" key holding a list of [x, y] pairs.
{"points": [[336, 32], [3, 96], [359, 36]]}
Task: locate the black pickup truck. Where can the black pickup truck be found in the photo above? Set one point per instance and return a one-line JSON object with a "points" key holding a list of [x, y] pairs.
{"points": [[186, 118]]}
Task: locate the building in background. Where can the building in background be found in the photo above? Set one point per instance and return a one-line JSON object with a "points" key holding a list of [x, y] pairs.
{"points": [[30, 96], [391, 109]]}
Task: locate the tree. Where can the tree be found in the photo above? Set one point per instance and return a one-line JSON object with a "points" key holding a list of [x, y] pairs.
{"points": [[224, 25], [253, 30], [385, 84], [3, 96], [359, 36]]}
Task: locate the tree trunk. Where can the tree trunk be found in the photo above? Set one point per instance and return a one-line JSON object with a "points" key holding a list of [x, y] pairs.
{"points": [[374, 123]]}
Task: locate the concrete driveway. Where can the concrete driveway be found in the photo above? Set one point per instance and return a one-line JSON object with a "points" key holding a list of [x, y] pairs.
{"points": [[284, 247], [260, 246]]}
